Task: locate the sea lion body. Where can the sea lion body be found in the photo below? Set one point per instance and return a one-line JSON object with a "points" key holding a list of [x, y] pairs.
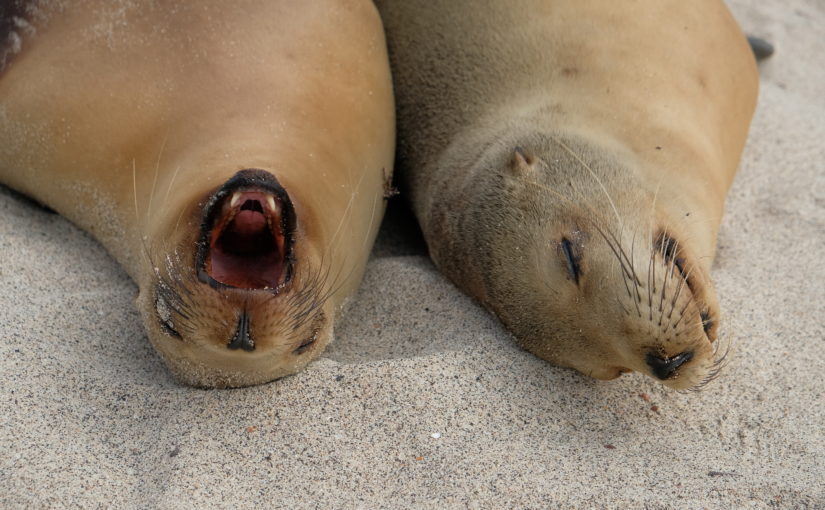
{"points": [[233, 160], [568, 162]]}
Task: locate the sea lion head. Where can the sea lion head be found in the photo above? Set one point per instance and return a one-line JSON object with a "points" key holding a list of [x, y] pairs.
{"points": [[236, 295], [584, 263]]}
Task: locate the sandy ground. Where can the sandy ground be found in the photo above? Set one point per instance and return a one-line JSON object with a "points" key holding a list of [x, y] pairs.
{"points": [[424, 400]]}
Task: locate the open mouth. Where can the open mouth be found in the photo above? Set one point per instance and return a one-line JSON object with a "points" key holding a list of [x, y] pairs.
{"points": [[247, 234]]}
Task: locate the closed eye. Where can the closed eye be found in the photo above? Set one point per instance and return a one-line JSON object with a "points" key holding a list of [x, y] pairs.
{"points": [[306, 344], [570, 258], [167, 328], [165, 318]]}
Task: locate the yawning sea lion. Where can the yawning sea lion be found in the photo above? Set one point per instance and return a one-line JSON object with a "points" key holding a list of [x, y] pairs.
{"points": [[233, 160]]}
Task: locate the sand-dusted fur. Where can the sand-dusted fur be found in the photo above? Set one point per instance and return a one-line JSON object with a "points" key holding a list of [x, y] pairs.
{"points": [[142, 121], [568, 162]]}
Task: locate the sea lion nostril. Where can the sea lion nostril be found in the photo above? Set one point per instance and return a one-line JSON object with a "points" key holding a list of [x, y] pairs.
{"points": [[665, 368], [707, 322], [243, 338]]}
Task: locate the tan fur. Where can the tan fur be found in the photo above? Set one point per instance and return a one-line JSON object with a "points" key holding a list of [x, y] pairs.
{"points": [[630, 118], [126, 115]]}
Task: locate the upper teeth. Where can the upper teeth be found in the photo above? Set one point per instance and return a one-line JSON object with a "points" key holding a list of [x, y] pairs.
{"points": [[236, 197], [270, 201]]}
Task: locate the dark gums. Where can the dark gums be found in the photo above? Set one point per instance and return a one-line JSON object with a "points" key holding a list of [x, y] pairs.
{"points": [[247, 180]]}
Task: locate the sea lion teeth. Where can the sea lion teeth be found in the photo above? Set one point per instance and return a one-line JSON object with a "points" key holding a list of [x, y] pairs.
{"points": [[236, 197]]}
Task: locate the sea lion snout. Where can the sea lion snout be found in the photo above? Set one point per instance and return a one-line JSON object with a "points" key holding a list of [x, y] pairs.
{"points": [[665, 368], [232, 306]]}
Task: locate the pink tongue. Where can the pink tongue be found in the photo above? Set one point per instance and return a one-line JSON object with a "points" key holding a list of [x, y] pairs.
{"points": [[248, 222]]}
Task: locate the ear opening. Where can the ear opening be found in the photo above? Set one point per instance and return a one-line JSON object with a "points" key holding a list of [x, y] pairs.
{"points": [[521, 162]]}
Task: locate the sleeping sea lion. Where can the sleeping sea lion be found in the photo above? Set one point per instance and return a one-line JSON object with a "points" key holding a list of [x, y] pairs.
{"points": [[568, 161]]}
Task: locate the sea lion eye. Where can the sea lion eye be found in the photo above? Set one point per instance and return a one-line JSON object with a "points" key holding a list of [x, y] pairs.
{"points": [[306, 344], [165, 318], [571, 260], [167, 328]]}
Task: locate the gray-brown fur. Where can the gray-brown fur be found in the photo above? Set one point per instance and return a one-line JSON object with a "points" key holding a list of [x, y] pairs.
{"points": [[533, 131]]}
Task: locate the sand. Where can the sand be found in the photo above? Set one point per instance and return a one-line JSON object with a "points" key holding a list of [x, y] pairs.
{"points": [[424, 401]]}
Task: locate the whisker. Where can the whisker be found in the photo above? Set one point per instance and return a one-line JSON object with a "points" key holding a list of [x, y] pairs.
{"points": [[614, 250], [651, 268], [682, 282], [177, 222], [171, 184], [682, 314], [134, 189], [619, 302], [668, 277], [633, 264], [596, 177], [155, 179], [372, 220], [624, 254]]}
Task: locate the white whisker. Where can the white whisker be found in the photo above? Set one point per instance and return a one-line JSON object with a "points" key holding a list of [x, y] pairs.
{"points": [[155, 178], [596, 177]]}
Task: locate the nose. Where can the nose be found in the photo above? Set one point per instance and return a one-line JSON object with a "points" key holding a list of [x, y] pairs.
{"points": [[242, 338], [664, 368]]}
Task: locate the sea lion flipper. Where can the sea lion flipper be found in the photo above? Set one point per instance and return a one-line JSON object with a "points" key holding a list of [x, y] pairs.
{"points": [[762, 49]]}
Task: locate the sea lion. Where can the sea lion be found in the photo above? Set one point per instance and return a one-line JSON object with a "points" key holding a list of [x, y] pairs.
{"points": [[233, 160], [568, 161]]}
